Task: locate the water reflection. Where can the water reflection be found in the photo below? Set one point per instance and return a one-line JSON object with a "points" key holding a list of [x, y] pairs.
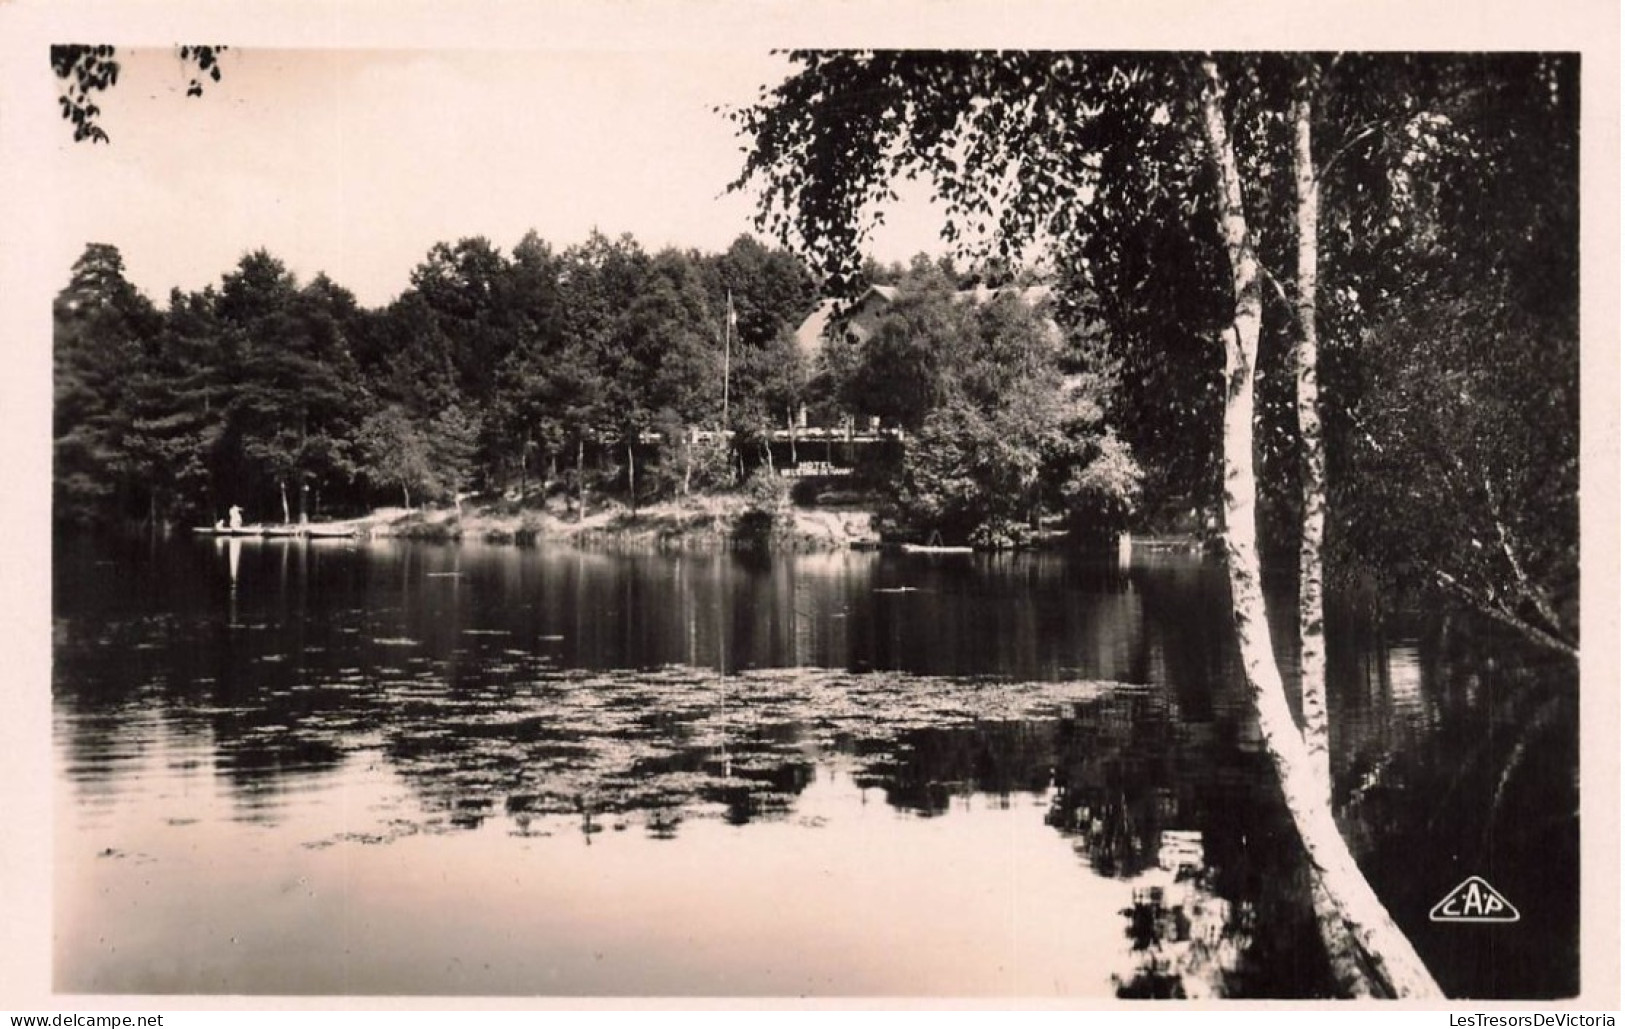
{"points": [[1460, 758], [1188, 942], [347, 699]]}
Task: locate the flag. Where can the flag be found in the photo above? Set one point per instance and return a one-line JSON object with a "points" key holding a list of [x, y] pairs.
{"points": [[733, 316]]}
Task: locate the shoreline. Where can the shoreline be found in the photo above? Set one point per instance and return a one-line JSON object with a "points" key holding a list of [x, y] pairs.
{"points": [[712, 522], [702, 523]]}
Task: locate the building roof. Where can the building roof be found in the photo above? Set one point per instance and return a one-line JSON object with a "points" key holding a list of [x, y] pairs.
{"points": [[814, 330]]}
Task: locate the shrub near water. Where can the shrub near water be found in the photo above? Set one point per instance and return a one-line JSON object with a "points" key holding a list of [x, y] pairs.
{"points": [[767, 510]]}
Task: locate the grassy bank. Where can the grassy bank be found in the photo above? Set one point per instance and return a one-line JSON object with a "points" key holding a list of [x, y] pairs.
{"points": [[726, 521]]}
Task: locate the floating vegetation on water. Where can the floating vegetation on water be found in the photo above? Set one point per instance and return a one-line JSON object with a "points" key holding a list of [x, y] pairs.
{"points": [[672, 743], [497, 736]]}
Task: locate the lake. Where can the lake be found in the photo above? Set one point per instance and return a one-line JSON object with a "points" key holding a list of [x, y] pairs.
{"points": [[330, 767]]}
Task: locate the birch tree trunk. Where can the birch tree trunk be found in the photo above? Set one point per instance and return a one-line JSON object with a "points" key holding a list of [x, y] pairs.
{"points": [[1351, 908], [1311, 599], [688, 460], [631, 476]]}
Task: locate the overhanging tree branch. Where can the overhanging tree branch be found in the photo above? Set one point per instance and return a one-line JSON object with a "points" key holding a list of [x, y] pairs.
{"points": [[1486, 605], [1526, 587]]}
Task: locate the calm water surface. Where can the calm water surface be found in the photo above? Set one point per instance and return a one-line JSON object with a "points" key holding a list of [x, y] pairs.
{"points": [[393, 768]]}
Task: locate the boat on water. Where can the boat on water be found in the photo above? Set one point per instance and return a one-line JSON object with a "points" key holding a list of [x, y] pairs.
{"points": [[274, 531], [934, 546], [227, 530]]}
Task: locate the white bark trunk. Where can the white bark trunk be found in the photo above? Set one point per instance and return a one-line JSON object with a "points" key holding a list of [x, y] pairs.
{"points": [[581, 481], [1311, 574], [1350, 897], [688, 462], [631, 477]]}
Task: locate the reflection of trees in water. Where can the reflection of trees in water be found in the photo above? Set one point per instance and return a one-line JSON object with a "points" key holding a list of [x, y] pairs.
{"points": [[200, 688], [1188, 822], [1187, 943], [1461, 750], [531, 745], [1118, 781], [1455, 754], [1215, 901], [672, 742], [924, 769], [496, 729], [1119, 795]]}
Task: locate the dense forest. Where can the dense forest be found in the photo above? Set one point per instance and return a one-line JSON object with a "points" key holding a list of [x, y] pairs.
{"points": [[596, 374], [492, 372]]}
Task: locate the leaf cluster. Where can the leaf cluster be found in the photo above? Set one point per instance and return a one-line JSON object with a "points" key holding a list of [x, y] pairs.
{"points": [[85, 70]]}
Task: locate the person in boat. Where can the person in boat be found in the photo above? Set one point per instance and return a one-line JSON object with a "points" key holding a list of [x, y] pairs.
{"points": [[236, 517]]}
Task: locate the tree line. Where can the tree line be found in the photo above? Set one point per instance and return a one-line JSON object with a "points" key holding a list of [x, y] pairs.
{"points": [[593, 373], [533, 371]]}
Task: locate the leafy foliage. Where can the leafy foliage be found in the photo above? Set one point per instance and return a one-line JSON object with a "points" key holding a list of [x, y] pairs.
{"points": [[395, 452], [1449, 219], [86, 70], [998, 438], [1455, 434], [492, 371], [103, 331]]}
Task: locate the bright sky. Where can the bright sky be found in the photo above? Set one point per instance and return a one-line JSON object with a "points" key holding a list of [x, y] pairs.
{"points": [[357, 162]]}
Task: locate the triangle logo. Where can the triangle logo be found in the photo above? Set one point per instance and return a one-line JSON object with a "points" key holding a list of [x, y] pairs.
{"points": [[1474, 901]]}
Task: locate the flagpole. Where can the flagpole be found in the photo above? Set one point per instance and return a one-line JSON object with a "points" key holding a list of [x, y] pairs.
{"points": [[722, 595], [727, 356]]}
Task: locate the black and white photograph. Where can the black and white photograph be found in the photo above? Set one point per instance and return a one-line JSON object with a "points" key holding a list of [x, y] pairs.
{"points": [[611, 512]]}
